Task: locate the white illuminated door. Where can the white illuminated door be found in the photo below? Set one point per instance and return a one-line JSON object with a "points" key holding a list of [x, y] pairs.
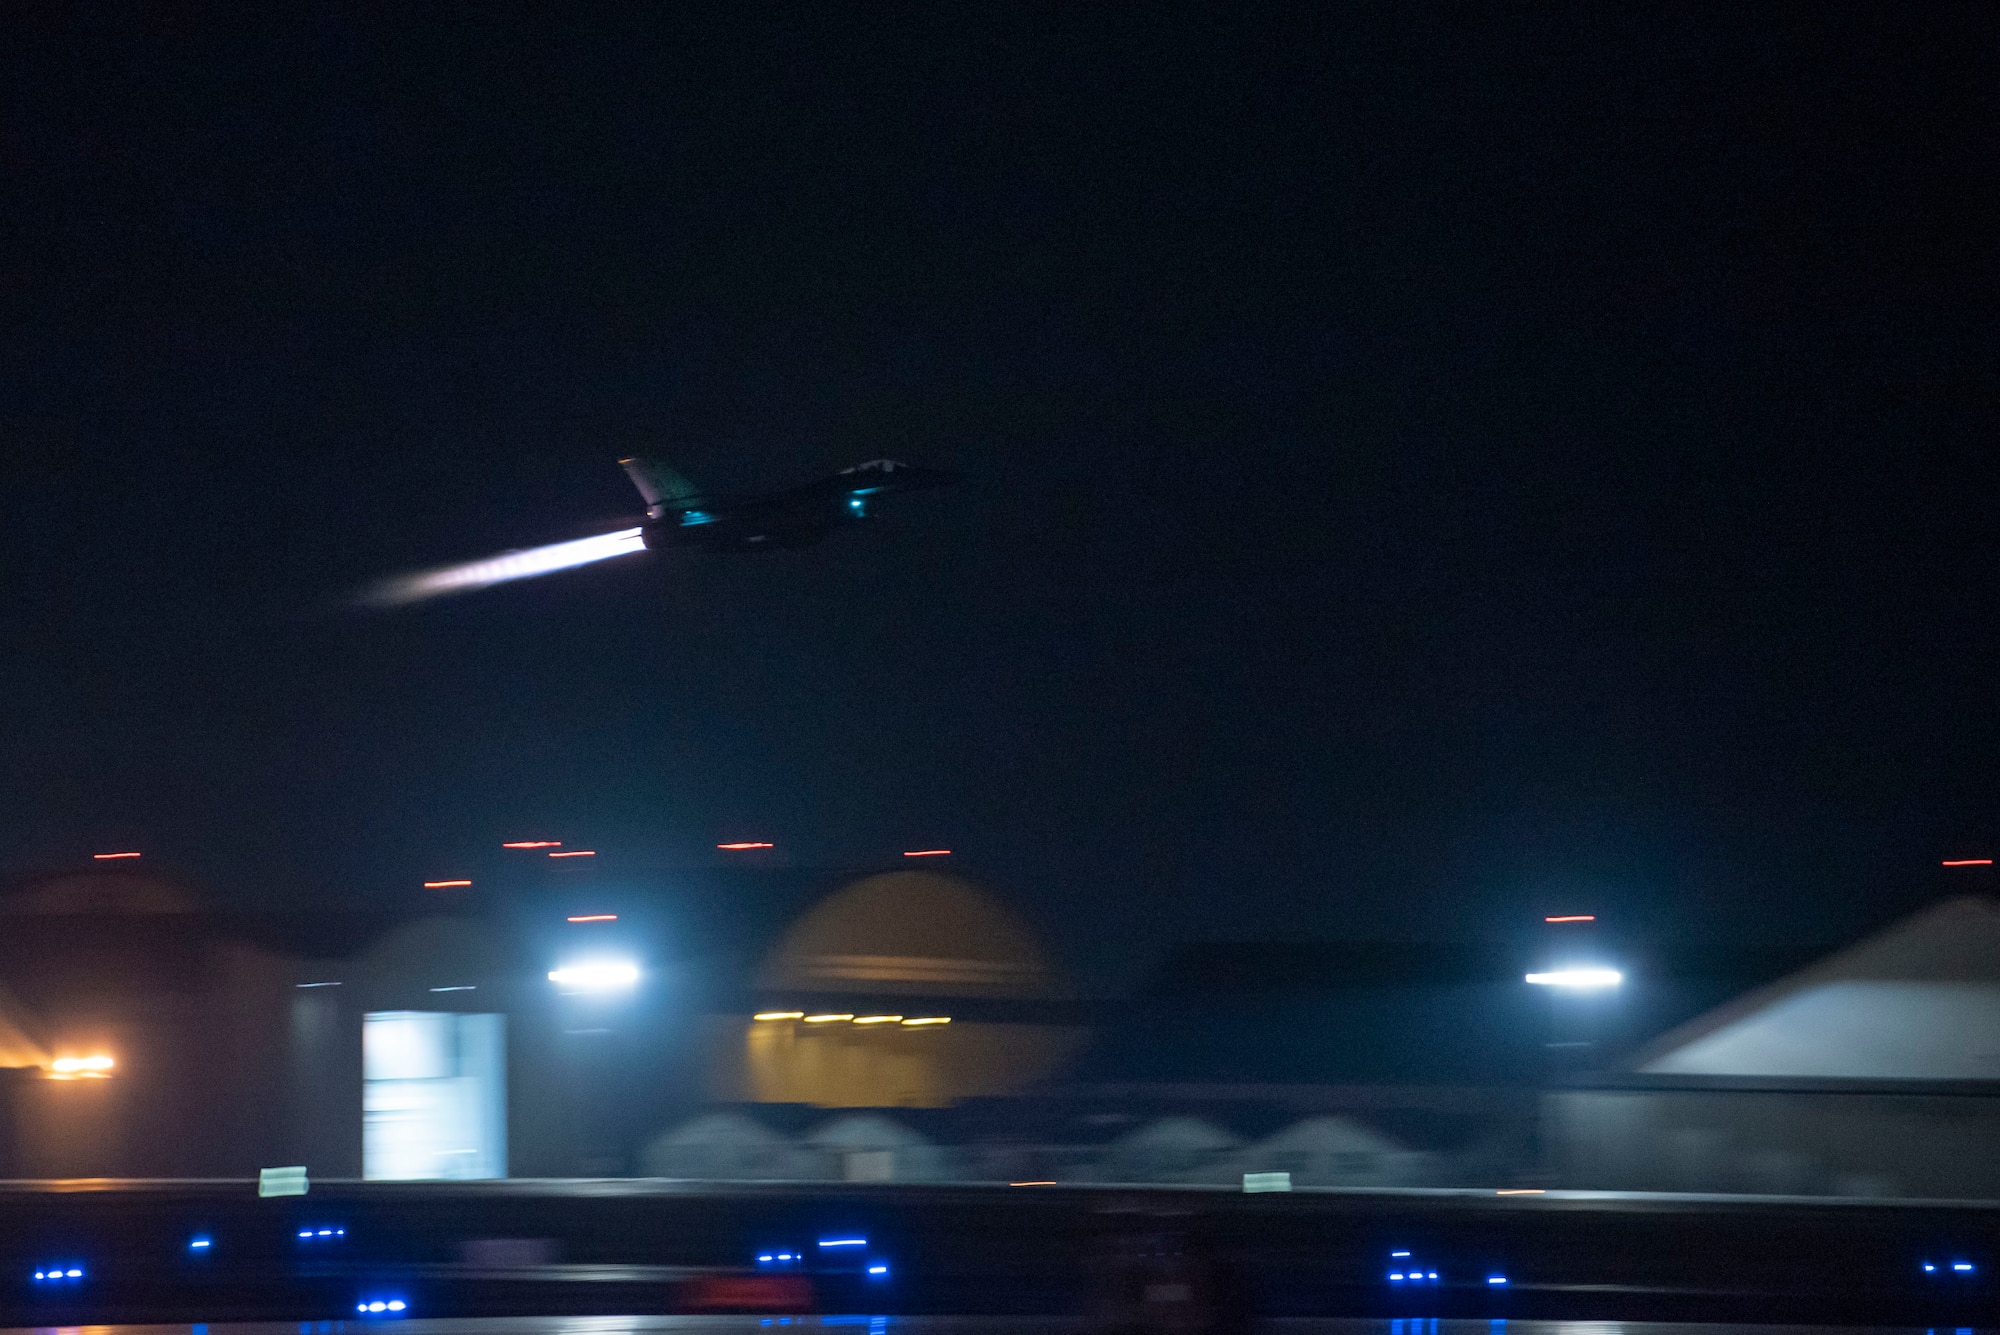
{"points": [[434, 1095]]}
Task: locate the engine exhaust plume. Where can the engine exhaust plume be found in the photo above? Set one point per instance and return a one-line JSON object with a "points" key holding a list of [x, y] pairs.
{"points": [[502, 569]]}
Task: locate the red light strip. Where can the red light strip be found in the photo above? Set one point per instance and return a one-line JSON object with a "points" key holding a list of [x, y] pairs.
{"points": [[929, 853], [443, 885], [1960, 862], [1573, 917], [106, 857], [595, 917], [736, 848], [534, 843], [576, 853]]}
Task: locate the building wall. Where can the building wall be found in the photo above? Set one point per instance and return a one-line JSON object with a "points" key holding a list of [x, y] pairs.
{"points": [[1775, 1141], [888, 1066]]}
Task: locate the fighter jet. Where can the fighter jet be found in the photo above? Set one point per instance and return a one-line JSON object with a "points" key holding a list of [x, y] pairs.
{"points": [[679, 514]]}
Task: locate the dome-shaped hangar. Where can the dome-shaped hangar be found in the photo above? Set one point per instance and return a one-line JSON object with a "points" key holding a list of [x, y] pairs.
{"points": [[905, 989], [911, 933]]}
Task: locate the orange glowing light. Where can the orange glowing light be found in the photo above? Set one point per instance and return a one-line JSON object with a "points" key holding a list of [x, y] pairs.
{"points": [[1959, 862], [534, 843], [929, 853], [737, 848], [80, 1068], [576, 853], [106, 857], [595, 917], [1573, 917], [443, 885]]}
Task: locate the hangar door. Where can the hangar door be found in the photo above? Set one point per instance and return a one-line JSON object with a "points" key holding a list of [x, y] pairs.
{"points": [[434, 1095]]}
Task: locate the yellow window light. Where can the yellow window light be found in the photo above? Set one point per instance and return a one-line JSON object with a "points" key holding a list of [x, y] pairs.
{"points": [[826, 1019], [779, 1015]]}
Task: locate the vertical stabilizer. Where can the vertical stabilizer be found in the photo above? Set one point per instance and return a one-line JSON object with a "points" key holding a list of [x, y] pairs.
{"points": [[663, 488]]}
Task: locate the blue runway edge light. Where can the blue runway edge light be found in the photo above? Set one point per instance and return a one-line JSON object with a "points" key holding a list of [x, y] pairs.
{"points": [[379, 1306], [1496, 1279], [878, 1270], [843, 1242]]}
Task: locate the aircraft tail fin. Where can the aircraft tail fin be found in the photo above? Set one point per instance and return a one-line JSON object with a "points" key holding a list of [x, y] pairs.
{"points": [[662, 487]]}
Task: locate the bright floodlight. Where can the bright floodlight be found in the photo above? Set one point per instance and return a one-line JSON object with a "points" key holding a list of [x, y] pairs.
{"points": [[1579, 978], [503, 569], [597, 976]]}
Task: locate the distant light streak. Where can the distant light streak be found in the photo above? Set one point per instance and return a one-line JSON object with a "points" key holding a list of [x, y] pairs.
{"points": [[502, 569], [1577, 978], [595, 917], [737, 848], [460, 987], [1573, 917], [878, 1019], [106, 857], [843, 1242], [1521, 1191], [576, 853], [827, 1018], [779, 1015], [929, 1019], [1955, 862], [1050, 1182], [443, 885], [317, 984], [929, 853], [534, 843]]}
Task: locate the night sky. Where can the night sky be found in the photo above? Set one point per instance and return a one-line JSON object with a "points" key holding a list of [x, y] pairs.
{"points": [[1425, 469]]}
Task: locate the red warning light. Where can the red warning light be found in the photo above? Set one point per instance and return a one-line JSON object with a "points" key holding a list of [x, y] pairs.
{"points": [[106, 857], [534, 843], [1949, 862], [929, 853], [595, 917], [443, 885], [576, 853], [1573, 917], [737, 848]]}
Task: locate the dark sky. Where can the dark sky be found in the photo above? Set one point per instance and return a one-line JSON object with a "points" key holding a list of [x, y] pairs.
{"points": [[1426, 468]]}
